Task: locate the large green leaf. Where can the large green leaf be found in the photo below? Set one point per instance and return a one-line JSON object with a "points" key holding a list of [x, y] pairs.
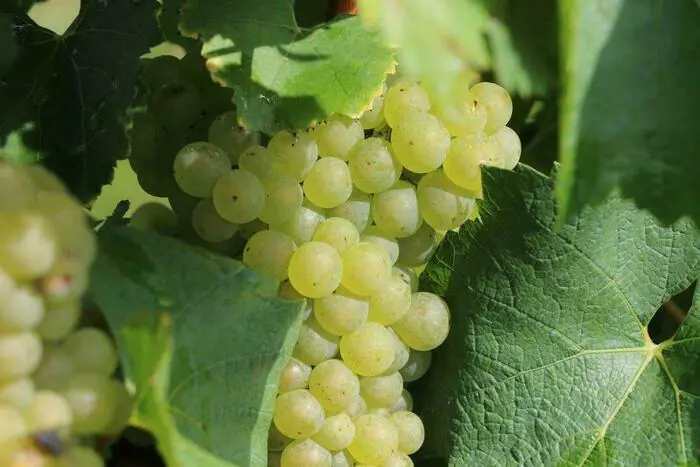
{"points": [[75, 88], [629, 117], [549, 361], [202, 338]]}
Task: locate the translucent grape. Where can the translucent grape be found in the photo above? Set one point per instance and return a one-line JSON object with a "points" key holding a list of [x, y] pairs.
{"points": [[239, 196], [295, 375], [79, 456], [336, 433], [293, 154], [398, 459], [315, 269], [381, 411], [269, 252], [465, 115], [366, 268], [209, 225], [59, 320], [342, 459], [357, 209], [337, 232], [177, 105], [92, 351], [334, 385], [306, 453], [12, 426], [21, 308], [122, 412], [444, 205], [426, 324], [249, 229], [227, 134], [66, 280], [509, 142], [381, 390], [374, 234], [20, 354], [357, 407], [315, 345], [403, 98], [417, 249], [373, 166], [92, 400], [48, 411], [258, 160], [376, 439], [369, 351], [411, 431], [416, 366], [396, 210], [462, 162], [17, 392], [329, 184], [154, 217], [392, 303], [408, 275], [28, 246], [198, 166], [342, 312], [404, 402], [373, 117], [55, 368], [420, 142], [499, 106], [302, 225], [337, 136], [283, 197], [401, 354], [298, 414]]}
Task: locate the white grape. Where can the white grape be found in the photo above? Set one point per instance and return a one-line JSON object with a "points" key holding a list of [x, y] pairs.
{"points": [[55, 369], [499, 106], [329, 183], [48, 411], [298, 414], [209, 225], [59, 320], [305, 453], [336, 433], [315, 269], [20, 354], [420, 142], [401, 354], [396, 210], [258, 160], [337, 232], [416, 366], [295, 375], [403, 98], [398, 459], [411, 431], [357, 407], [198, 166], [21, 308], [283, 197], [408, 275], [417, 249], [92, 400], [404, 402], [12, 427], [92, 351], [374, 234], [334, 385], [302, 224], [511, 148], [239, 196], [373, 117], [28, 246], [342, 459], [426, 324], [376, 439], [337, 136], [366, 268], [381, 390], [315, 344], [464, 115], [226, 133], [392, 303], [444, 205], [269, 252], [341, 312], [369, 350], [293, 154], [373, 166], [124, 406], [17, 392], [357, 209]]}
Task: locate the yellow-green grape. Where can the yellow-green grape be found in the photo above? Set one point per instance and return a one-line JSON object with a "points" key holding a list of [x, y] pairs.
{"points": [[20, 354], [376, 439], [426, 324], [306, 453], [239, 196], [315, 269], [198, 166], [337, 136], [176, 106], [398, 459], [357, 407], [509, 142], [417, 249], [154, 217], [92, 399], [420, 142], [336, 433], [12, 428], [499, 106], [403, 98], [404, 402], [373, 117], [298, 414], [287, 291], [249, 229], [369, 351], [392, 303], [123, 409], [294, 154], [337, 232], [417, 365], [269, 252], [17, 392], [59, 320], [92, 351], [373, 166], [342, 459], [381, 390], [401, 354], [465, 115], [21, 308], [227, 134], [357, 209], [342, 312], [48, 411], [259, 160], [411, 431], [16, 187], [462, 164], [303, 223], [79, 456], [209, 225], [396, 210], [329, 184], [408, 275], [334, 385], [366, 268], [283, 196], [444, 205], [295, 375], [28, 246], [315, 344], [66, 280], [276, 441], [374, 234], [55, 369]]}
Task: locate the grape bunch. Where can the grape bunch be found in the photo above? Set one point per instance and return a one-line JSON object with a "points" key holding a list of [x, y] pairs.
{"points": [[57, 389], [345, 215]]}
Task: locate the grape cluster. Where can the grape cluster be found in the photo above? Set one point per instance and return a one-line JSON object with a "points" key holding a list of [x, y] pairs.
{"points": [[56, 379], [345, 215]]}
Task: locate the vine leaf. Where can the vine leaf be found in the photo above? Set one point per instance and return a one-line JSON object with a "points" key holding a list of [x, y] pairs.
{"points": [[76, 87], [204, 341], [548, 361], [631, 74]]}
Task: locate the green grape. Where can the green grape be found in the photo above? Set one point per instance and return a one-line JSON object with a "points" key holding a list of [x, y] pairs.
{"points": [[295, 375], [257, 159], [403, 98], [294, 154], [283, 197], [381, 411], [239, 196], [227, 134], [417, 249], [197, 168], [92, 400], [123, 409], [92, 351], [337, 232], [426, 324], [315, 269], [398, 459], [12, 427], [373, 166], [357, 407], [401, 354], [337, 136], [66, 280], [249, 229], [329, 183], [376, 439], [20, 354], [396, 210], [21, 308], [416, 366], [314, 344], [368, 351], [374, 234], [342, 312], [334, 385], [298, 414], [408, 275], [80, 456], [465, 115], [59, 320], [420, 142], [336, 433], [404, 402], [48, 411], [357, 209], [17, 392], [55, 369], [209, 225], [509, 142], [305, 453], [366, 268], [155, 181], [392, 303], [343, 458], [269, 252], [462, 162], [444, 205], [154, 217], [411, 431], [177, 105], [373, 117], [382, 390], [302, 225], [499, 106], [28, 246]]}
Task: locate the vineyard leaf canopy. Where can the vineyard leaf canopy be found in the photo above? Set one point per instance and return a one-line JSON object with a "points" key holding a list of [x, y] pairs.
{"points": [[286, 76], [629, 119], [76, 87], [202, 338], [548, 361]]}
